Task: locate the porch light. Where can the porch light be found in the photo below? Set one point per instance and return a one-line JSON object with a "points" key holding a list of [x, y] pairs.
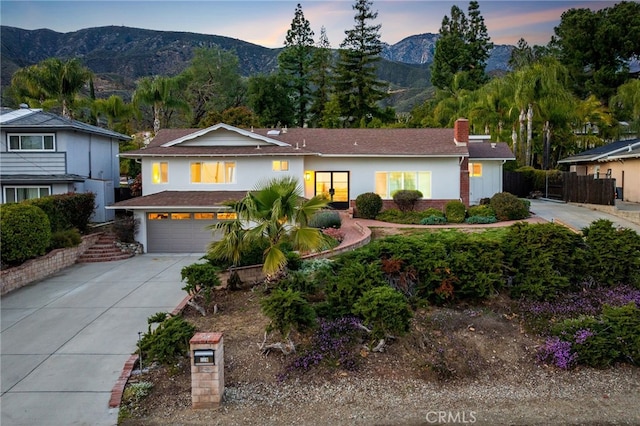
{"points": [[307, 176]]}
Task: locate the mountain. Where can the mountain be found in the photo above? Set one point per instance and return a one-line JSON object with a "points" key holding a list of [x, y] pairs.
{"points": [[121, 55]]}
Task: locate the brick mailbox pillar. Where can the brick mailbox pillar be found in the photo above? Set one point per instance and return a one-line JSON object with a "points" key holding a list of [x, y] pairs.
{"points": [[207, 370]]}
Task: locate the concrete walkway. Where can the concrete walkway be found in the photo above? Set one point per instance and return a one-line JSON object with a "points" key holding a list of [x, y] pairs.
{"points": [[65, 339]]}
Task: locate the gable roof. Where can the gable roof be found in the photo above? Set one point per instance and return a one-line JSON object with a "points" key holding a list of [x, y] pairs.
{"points": [[307, 141], [603, 153], [28, 119]]}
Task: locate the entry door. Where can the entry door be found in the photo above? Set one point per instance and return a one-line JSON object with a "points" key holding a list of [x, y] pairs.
{"points": [[335, 186]]}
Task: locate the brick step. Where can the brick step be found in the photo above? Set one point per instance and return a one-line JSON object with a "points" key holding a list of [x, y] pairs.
{"points": [[101, 258], [104, 250]]}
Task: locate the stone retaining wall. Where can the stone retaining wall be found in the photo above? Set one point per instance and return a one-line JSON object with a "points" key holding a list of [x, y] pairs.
{"points": [[44, 266]]}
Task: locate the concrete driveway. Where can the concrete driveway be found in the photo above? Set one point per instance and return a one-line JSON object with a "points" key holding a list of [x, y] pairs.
{"points": [[574, 216], [65, 339]]}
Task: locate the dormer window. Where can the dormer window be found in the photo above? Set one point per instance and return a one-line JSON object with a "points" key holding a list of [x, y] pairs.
{"points": [[32, 142]]}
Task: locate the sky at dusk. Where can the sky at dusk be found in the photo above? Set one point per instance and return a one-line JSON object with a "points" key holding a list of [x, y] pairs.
{"points": [[265, 22]]}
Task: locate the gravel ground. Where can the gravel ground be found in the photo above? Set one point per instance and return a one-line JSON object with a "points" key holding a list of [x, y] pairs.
{"points": [[494, 379]]}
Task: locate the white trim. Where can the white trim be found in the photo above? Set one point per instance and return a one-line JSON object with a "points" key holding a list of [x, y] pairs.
{"points": [[22, 134], [242, 132]]}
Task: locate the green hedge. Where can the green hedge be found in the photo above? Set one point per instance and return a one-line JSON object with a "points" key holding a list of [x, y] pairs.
{"points": [[67, 211], [368, 205], [25, 232]]}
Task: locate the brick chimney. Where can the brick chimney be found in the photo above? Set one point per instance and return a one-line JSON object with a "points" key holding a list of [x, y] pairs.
{"points": [[461, 131]]}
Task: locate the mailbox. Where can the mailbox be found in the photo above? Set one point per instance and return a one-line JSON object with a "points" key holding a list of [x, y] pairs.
{"points": [[203, 357]]}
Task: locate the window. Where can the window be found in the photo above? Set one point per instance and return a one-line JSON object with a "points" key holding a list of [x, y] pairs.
{"points": [[280, 166], [160, 172], [227, 216], [213, 172], [16, 194], [33, 142], [158, 216], [204, 216], [180, 216], [389, 182], [475, 169]]}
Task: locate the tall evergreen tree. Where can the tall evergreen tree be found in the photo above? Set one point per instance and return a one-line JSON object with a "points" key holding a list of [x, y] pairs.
{"points": [[464, 46], [295, 62], [356, 85], [322, 63]]}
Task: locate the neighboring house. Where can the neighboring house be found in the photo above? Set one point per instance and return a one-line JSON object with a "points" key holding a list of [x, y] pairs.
{"points": [[44, 154], [618, 160], [187, 174]]}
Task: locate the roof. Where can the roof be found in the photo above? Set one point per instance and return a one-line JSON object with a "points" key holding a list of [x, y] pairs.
{"points": [[629, 153], [36, 119], [490, 151], [603, 152], [172, 200], [307, 141], [40, 179]]}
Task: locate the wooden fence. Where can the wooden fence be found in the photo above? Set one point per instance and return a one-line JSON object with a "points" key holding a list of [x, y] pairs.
{"points": [[571, 188]]}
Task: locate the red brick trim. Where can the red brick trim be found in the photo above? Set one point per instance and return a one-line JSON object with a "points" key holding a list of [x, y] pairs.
{"points": [[118, 388]]}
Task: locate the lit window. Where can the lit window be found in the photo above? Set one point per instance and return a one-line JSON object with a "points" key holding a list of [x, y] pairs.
{"points": [[280, 166], [16, 194], [180, 216], [387, 183], [227, 216], [35, 142], [213, 172], [158, 216], [475, 169], [204, 216], [160, 172]]}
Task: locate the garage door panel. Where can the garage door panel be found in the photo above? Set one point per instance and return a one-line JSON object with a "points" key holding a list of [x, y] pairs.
{"points": [[179, 236]]}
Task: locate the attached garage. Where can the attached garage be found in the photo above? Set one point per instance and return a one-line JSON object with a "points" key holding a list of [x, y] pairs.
{"points": [[180, 232]]}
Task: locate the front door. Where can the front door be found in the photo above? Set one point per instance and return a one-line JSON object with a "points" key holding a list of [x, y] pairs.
{"points": [[335, 186]]}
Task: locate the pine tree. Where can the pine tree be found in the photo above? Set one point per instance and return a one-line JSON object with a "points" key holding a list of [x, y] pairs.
{"points": [[295, 62], [321, 78], [464, 46], [356, 84]]}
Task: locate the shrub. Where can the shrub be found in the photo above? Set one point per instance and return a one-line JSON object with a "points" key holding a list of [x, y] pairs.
{"points": [[200, 278], [25, 232], [287, 310], [169, 341], [66, 211], [350, 283], [125, 228], [484, 210], [65, 239], [368, 205], [509, 207], [481, 219], [557, 352], [294, 261], [325, 219], [601, 341], [613, 255], [406, 199], [434, 220], [335, 343], [385, 310], [455, 211], [543, 260]]}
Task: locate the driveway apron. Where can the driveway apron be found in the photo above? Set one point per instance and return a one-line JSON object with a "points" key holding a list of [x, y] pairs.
{"points": [[65, 339]]}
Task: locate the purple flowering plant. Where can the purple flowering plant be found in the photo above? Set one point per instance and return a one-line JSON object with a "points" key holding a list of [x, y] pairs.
{"points": [[557, 352]]}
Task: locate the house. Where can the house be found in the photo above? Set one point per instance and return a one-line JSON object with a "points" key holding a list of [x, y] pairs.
{"points": [[187, 174], [486, 160], [619, 160], [44, 154]]}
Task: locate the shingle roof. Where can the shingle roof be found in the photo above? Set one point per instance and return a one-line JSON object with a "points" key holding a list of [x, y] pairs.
{"points": [[35, 179], [490, 151], [323, 142], [36, 119], [180, 200], [610, 149]]}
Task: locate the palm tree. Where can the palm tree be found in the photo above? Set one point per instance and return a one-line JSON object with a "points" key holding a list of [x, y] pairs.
{"points": [[115, 110], [51, 82], [160, 94], [276, 214]]}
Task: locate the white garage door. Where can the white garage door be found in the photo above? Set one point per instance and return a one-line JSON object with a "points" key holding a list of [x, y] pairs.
{"points": [[179, 232]]}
